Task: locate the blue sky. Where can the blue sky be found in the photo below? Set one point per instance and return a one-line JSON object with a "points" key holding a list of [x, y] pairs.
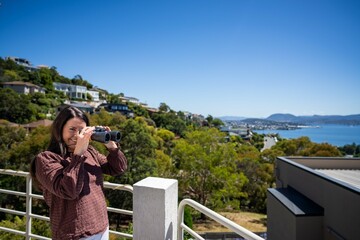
{"points": [[247, 58]]}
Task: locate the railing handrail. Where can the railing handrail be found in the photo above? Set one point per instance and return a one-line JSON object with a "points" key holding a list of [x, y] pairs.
{"points": [[29, 196], [243, 232], [14, 173]]}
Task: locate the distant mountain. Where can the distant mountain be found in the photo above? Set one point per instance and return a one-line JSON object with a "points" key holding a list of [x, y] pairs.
{"points": [[292, 119], [280, 117], [316, 119]]}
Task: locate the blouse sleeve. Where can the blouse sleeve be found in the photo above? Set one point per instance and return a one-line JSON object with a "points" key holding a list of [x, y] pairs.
{"points": [[65, 181], [115, 163]]}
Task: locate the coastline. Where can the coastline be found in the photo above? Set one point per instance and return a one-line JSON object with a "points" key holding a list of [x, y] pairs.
{"points": [[337, 135]]}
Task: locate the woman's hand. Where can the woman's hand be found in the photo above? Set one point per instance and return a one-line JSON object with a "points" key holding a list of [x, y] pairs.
{"points": [[110, 144], [83, 138]]}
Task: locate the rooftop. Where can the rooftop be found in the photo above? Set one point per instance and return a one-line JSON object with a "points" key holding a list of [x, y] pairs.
{"points": [[346, 176], [341, 171]]}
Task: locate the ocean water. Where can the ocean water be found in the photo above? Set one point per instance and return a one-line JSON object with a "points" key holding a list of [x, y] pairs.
{"points": [[337, 135]]}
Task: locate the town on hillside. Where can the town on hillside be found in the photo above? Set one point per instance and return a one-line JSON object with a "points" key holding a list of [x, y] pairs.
{"points": [[89, 100]]}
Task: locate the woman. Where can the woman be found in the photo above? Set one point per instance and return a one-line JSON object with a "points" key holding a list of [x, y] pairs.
{"points": [[70, 174]]}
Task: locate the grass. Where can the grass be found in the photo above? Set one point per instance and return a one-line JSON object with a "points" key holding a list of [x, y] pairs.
{"points": [[254, 222]]}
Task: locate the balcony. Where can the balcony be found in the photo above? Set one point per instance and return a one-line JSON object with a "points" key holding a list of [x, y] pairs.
{"points": [[156, 212], [314, 199]]}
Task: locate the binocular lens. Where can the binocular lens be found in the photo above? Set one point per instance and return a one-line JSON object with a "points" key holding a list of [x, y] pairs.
{"points": [[115, 136], [103, 137]]}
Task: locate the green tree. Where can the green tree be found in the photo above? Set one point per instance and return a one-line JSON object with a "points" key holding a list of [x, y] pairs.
{"points": [[164, 166], [11, 75], [270, 155], [350, 149], [322, 150], [18, 224], [17, 156], [217, 122], [164, 108], [9, 137], [257, 140], [10, 71], [138, 110], [207, 170], [114, 98], [16, 107], [170, 121], [260, 177], [139, 146], [209, 119], [46, 77], [78, 80], [89, 97], [22, 152], [302, 146], [104, 118]]}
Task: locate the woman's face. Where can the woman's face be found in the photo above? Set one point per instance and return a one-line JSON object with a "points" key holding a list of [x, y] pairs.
{"points": [[71, 130]]}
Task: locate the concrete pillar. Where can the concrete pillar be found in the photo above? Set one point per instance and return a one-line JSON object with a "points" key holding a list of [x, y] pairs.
{"points": [[155, 202]]}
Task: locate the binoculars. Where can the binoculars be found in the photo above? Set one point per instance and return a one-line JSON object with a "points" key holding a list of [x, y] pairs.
{"points": [[103, 136]]}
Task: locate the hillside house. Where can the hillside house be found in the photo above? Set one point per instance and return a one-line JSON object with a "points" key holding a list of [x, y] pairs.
{"points": [[33, 125], [23, 87], [116, 107], [23, 62], [76, 91]]}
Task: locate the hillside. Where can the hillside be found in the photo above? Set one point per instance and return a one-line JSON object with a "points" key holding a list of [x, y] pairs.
{"points": [[45, 77]]}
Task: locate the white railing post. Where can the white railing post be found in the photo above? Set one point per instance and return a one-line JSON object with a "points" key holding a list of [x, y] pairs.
{"points": [[28, 206], [155, 209]]}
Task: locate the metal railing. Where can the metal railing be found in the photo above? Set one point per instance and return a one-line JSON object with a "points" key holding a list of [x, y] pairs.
{"points": [[241, 231], [30, 196]]}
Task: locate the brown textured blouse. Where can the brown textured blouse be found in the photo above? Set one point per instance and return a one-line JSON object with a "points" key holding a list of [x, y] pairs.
{"points": [[73, 190]]}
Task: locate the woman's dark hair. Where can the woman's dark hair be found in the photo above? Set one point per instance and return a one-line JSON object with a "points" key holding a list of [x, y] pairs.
{"points": [[57, 144]]}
